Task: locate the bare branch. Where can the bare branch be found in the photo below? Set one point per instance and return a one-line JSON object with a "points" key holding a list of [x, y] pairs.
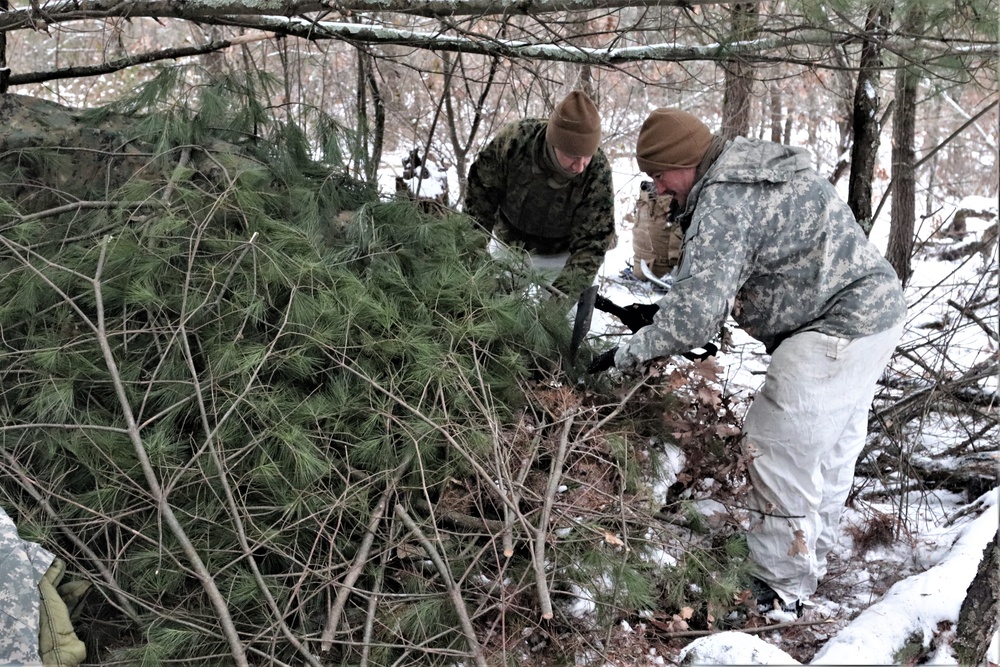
{"points": [[129, 61], [195, 10], [764, 50], [454, 592], [538, 555]]}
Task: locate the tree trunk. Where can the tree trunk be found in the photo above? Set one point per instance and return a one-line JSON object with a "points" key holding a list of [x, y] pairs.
{"points": [[903, 216], [4, 70], [775, 112], [864, 152], [370, 134], [739, 76], [979, 617]]}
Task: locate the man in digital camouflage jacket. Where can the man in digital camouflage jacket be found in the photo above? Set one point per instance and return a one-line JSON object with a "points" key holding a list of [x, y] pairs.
{"points": [[767, 240], [545, 185]]}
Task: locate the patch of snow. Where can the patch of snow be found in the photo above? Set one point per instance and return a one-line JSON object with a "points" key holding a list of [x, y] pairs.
{"points": [[670, 463], [917, 604], [583, 604], [734, 648]]}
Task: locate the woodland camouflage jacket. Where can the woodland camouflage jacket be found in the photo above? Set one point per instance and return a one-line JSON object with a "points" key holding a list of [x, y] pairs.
{"points": [[769, 240], [513, 194]]}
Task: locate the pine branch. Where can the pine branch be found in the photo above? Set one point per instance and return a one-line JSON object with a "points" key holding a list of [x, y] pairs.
{"points": [[510, 512], [107, 575], [79, 206], [343, 361], [131, 61], [454, 592], [211, 432], [201, 571]]}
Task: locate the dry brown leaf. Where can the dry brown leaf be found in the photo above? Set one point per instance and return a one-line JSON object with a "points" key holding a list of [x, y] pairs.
{"points": [[709, 396], [798, 544], [726, 430], [686, 613], [679, 623], [613, 539], [707, 369]]}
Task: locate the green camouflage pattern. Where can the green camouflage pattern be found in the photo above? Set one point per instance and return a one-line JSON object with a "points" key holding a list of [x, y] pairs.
{"points": [[769, 241], [512, 194], [22, 566]]}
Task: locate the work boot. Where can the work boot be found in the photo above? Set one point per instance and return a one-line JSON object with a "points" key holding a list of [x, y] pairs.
{"points": [[768, 600]]}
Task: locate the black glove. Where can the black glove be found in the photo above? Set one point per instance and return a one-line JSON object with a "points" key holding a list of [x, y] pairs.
{"points": [[603, 361], [638, 315]]}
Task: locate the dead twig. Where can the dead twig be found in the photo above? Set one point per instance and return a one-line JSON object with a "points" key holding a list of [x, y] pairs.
{"points": [[358, 566], [968, 312], [454, 592], [538, 553], [748, 631]]}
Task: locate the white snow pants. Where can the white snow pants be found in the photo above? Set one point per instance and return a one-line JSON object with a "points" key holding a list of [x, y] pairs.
{"points": [[804, 432]]}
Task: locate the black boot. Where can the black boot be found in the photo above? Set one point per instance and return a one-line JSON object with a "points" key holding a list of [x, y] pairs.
{"points": [[768, 600]]}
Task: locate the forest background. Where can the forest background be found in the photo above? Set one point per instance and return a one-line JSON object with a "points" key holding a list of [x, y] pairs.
{"points": [[364, 81]]}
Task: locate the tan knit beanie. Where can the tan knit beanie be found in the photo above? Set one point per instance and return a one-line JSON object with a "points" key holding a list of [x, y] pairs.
{"points": [[575, 126], [671, 139]]}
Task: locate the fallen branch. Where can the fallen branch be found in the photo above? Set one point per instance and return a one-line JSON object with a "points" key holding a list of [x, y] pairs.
{"points": [[918, 402], [538, 553], [358, 566], [749, 631], [454, 592]]}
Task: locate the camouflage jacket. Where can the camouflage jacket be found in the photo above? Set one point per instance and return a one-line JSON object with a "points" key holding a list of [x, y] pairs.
{"points": [[511, 193], [768, 240], [22, 566]]}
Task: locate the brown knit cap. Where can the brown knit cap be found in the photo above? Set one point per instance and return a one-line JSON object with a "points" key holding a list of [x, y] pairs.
{"points": [[671, 139], [575, 126]]}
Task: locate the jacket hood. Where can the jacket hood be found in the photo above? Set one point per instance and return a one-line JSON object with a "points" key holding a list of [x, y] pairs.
{"points": [[755, 161], [748, 161]]}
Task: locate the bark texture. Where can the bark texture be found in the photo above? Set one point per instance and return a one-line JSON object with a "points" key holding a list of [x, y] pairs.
{"points": [[864, 151], [979, 617], [903, 216]]}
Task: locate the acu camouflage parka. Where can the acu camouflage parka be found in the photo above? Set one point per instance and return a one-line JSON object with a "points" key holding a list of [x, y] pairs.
{"points": [[769, 240], [513, 193]]}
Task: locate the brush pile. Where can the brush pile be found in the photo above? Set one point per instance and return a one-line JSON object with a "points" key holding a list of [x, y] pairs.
{"points": [[274, 420]]}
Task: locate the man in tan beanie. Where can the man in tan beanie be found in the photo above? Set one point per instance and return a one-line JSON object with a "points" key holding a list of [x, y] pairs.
{"points": [[545, 186], [768, 241]]}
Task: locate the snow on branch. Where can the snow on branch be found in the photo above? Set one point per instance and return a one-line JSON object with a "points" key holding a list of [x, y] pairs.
{"points": [[755, 50], [74, 10]]}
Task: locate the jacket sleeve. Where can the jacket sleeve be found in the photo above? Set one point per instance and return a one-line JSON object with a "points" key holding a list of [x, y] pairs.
{"points": [[487, 182], [716, 257], [593, 232]]}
